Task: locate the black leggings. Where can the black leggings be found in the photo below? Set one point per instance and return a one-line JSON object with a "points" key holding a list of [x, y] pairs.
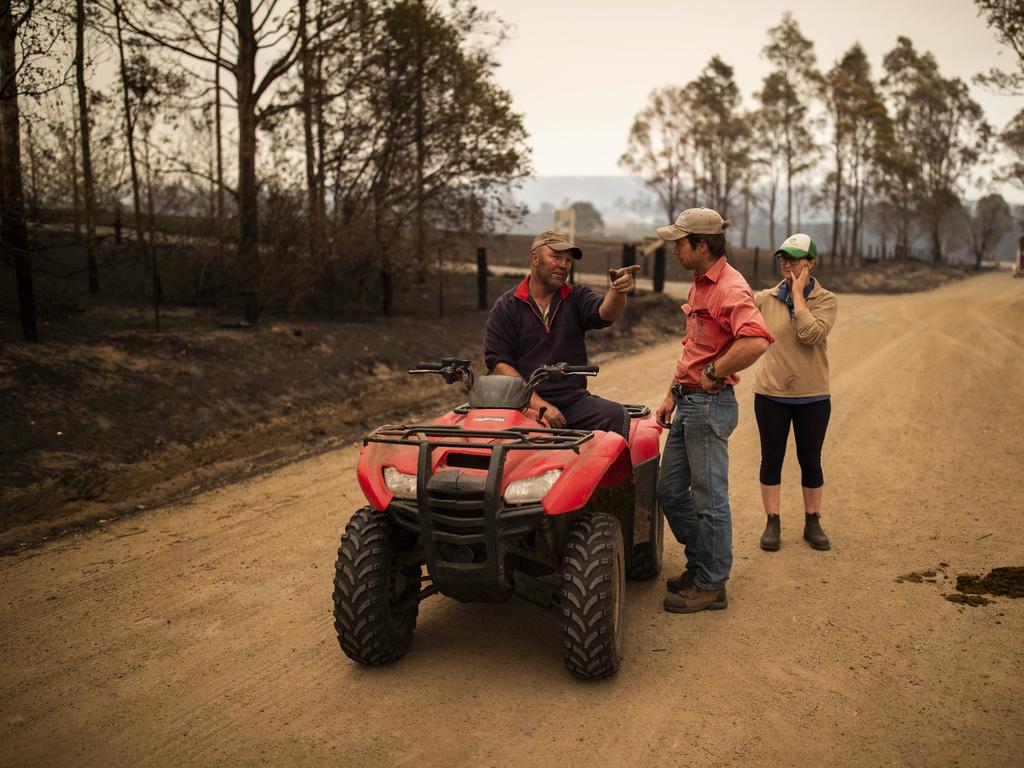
{"points": [[810, 421]]}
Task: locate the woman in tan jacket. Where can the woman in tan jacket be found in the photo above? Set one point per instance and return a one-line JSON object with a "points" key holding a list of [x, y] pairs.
{"points": [[792, 386]]}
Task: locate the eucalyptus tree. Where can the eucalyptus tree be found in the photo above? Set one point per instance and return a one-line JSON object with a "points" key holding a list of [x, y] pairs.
{"points": [[658, 149], [720, 134], [1007, 18], [769, 151], [446, 142], [938, 134], [30, 33], [85, 133], [986, 225], [857, 116], [786, 97], [257, 43]]}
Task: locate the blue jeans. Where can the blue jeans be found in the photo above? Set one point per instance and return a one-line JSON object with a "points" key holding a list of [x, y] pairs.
{"points": [[693, 486]]}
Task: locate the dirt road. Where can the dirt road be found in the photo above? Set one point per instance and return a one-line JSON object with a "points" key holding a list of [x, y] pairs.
{"points": [[201, 634]]}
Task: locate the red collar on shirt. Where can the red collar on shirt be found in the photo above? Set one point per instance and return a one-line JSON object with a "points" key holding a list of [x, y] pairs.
{"points": [[715, 271], [523, 290]]}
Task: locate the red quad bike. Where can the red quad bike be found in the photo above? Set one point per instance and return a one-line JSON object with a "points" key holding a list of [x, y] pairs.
{"points": [[494, 504]]}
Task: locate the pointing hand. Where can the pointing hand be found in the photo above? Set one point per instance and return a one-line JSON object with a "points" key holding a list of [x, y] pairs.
{"points": [[622, 279]]}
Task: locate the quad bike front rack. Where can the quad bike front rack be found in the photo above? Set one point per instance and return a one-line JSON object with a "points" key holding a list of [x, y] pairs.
{"points": [[462, 520]]}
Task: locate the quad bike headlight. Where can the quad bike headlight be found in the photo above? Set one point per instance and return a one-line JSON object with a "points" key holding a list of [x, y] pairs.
{"points": [[531, 488], [399, 483]]}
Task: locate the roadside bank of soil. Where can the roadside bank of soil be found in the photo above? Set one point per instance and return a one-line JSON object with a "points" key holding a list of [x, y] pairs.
{"points": [[106, 417]]}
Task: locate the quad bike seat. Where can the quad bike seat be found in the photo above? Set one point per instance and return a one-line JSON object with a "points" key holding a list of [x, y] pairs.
{"points": [[499, 392]]}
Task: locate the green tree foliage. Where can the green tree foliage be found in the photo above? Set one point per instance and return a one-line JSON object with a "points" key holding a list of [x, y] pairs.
{"points": [[447, 141], [786, 98], [986, 226], [1007, 18], [1012, 139], [858, 118], [690, 144], [589, 220], [938, 134], [721, 136], [657, 149]]}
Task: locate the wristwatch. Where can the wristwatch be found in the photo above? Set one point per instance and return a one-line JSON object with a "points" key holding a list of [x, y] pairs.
{"points": [[709, 371]]}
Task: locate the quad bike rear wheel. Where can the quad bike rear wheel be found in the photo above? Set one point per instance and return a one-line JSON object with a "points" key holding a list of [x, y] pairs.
{"points": [[592, 596], [376, 590]]}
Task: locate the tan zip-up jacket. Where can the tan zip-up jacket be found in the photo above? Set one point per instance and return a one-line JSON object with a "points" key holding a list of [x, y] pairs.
{"points": [[796, 365]]}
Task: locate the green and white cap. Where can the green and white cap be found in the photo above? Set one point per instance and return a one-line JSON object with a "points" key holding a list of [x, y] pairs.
{"points": [[798, 246]]}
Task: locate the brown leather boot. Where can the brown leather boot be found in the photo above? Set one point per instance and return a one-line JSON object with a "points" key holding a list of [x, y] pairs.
{"points": [[813, 534], [693, 599], [679, 583], [770, 539]]}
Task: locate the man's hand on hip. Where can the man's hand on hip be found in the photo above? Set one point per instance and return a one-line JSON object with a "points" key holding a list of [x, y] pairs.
{"points": [[666, 409]]}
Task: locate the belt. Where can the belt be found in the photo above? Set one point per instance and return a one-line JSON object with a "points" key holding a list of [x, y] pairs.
{"points": [[681, 390]]}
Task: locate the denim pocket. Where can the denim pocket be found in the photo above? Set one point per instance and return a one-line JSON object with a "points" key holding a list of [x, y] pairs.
{"points": [[725, 415]]}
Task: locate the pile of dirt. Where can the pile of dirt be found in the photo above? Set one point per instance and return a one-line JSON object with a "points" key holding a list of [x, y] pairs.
{"points": [[1005, 582], [971, 588]]}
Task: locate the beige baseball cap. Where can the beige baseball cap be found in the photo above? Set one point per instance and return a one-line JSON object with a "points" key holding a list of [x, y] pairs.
{"points": [[694, 221], [557, 241]]}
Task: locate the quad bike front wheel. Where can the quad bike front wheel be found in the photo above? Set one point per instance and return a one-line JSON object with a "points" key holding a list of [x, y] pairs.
{"points": [[376, 590], [592, 596]]}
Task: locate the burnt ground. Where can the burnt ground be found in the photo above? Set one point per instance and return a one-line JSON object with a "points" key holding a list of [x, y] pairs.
{"points": [[104, 416]]}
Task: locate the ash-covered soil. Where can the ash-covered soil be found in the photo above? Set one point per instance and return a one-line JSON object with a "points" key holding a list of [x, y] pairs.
{"points": [[104, 416]]}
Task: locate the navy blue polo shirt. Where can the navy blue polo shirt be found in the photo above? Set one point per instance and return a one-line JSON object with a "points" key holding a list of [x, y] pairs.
{"points": [[516, 335]]}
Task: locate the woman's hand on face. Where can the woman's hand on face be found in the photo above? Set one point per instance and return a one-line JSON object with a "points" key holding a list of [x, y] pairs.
{"points": [[802, 276]]}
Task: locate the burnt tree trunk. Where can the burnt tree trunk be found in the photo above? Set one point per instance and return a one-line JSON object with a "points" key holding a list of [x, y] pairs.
{"points": [[245, 74], [312, 216], [13, 231], [83, 120], [218, 139]]}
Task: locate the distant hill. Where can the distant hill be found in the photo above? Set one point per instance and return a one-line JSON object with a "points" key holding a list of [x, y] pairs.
{"points": [[630, 210]]}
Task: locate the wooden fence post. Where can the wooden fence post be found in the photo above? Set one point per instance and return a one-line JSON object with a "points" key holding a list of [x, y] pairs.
{"points": [[628, 254], [440, 283], [481, 278], [659, 269]]}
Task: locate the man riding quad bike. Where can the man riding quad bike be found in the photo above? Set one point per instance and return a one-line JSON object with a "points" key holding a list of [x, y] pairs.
{"points": [[495, 503]]}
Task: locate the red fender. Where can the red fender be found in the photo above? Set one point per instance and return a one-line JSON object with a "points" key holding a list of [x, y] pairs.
{"points": [[644, 439], [370, 477], [576, 485]]}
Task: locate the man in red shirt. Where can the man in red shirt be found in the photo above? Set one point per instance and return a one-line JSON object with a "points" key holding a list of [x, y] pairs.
{"points": [[725, 333]]}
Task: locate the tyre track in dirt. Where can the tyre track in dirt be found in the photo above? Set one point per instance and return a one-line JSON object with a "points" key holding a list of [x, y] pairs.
{"points": [[201, 634]]}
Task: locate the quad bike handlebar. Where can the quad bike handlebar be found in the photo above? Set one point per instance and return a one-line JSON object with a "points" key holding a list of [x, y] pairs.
{"points": [[453, 369]]}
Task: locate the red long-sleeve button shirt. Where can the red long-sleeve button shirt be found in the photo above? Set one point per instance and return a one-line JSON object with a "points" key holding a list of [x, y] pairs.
{"points": [[719, 310]]}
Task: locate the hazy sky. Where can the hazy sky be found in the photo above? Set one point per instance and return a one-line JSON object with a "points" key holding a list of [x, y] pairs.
{"points": [[579, 70]]}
